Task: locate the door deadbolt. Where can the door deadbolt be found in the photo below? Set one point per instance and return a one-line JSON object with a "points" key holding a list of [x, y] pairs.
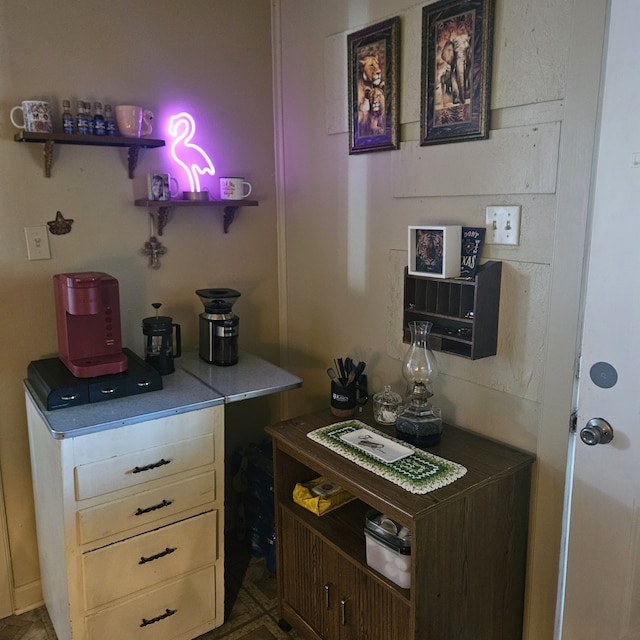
{"points": [[596, 431]]}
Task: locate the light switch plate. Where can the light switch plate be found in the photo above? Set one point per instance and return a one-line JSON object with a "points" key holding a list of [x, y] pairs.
{"points": [[37, 243], [503, 224]]}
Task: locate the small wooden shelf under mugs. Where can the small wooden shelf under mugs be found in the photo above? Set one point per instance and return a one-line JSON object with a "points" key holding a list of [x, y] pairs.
{"points": [[164, 206], [51, 139], [464, 312]]}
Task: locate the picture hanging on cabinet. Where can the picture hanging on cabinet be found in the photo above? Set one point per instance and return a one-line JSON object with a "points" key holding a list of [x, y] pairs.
{"points": [[457, 44], [435, 251], [373, 58]]}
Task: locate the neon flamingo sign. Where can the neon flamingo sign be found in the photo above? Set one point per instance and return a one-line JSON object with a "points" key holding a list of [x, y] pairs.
{"points": [[182, 128]]}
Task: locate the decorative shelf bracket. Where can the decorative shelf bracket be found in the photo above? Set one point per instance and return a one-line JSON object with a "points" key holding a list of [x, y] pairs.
{"points": [[229, 217]]}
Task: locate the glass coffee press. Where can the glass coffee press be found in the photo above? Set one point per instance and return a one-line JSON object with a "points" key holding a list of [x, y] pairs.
{"points": [[159, 344]]}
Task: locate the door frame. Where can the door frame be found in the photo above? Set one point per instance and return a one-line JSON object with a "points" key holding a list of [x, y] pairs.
{"points": [[570, 234], [6, 582], [570, 254]]}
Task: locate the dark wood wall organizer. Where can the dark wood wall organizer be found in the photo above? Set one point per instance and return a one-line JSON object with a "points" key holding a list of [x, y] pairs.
{"points": [[163, 208], [464, 313], [51, 139]]}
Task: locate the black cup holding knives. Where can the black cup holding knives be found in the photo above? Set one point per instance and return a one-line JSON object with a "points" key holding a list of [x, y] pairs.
{"points": [[345, 399]]}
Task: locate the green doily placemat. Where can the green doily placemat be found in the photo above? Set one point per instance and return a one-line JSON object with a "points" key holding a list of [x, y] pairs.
{"points": [[420, 472]]}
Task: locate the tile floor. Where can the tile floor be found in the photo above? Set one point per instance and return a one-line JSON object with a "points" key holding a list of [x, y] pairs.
{"points": [[251, 607]]}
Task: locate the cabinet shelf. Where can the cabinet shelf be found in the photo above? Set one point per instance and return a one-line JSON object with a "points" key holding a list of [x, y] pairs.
{"points": [[464, 313], [50, 139], [164, 206]]}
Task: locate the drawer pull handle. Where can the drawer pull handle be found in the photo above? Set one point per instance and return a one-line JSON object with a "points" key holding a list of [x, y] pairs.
{"points": [[157, 556], [343, 611], [153, 465], [161, 505], [144, 383], [162, 616], [69, 398], [108, 390], [327, 595]]}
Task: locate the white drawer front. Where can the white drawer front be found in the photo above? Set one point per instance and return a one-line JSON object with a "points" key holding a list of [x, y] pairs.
{"points": [[161, 614], [137, 513], [132, 469], [140, 562]]}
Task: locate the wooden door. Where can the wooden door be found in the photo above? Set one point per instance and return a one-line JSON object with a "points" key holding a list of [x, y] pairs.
{"points": [[304, 585], [373, 611], [602, 597]]}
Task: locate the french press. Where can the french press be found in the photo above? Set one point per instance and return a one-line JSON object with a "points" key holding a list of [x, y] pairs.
{"points": [[159, 342]]}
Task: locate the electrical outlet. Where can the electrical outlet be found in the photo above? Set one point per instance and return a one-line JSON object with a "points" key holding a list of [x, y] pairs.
{"points": [[37, 243], [503, 225]]}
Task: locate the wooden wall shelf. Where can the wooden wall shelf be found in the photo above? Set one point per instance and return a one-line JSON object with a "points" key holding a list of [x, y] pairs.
{"points": [[464, 313], [50, 139], [164, 206]]}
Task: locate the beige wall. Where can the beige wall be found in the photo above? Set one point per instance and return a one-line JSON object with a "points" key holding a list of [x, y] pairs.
{"points": [[211, 58], [341, 220], [347, 217]]}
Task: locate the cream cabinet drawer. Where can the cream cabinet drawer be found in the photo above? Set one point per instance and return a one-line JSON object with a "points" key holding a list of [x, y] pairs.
{"points": [[162, 614], [132, 469], [137, 513], [137, 563]]}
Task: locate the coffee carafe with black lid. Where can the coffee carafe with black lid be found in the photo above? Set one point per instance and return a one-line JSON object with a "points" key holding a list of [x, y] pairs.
{"points": [[162, 341], [218, 326]]}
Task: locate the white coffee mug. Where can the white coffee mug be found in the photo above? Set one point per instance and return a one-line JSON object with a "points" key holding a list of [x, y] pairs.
{"points": [[133, 121], [36, 116], [234, 189], [160, 186]]}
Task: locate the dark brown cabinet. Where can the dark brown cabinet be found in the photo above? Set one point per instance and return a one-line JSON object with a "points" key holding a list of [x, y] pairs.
{"points": [[333, 596], [464, 313], [469, 542]]}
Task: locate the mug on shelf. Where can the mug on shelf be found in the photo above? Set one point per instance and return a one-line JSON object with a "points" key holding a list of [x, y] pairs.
{"points": [[133, 121], [36, 116], [160, 186], [234, 189]]}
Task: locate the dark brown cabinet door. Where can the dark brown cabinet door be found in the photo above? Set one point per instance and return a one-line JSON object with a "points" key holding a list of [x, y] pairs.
{"points": [[304, 586], [333, 596]]}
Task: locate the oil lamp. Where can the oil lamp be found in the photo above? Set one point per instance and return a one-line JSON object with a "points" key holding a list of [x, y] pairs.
{"points": [[419, 422]]}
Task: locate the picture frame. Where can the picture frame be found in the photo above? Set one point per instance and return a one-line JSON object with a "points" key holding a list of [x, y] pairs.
{"points": [[472, 244], [158, 186], [457, 50], [435, 251], [373, 87]]}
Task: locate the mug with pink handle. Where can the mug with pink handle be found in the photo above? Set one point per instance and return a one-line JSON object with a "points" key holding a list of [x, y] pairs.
{"points": [[133, 121]]}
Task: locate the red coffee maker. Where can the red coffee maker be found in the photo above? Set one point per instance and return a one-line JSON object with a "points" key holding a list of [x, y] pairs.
{"points": [[88, 316]]}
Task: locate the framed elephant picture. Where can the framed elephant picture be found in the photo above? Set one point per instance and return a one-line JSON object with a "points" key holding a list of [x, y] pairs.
{"points": [[373, 55], [457, 47]]}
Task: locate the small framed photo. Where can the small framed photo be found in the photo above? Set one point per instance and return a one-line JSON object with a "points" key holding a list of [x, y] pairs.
{"points": [[435, 251], [472, 244], [158, 186], [457, 45], [373, 59]]}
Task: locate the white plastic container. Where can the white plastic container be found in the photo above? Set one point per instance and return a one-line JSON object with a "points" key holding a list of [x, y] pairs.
{"points": [[388, 552]]}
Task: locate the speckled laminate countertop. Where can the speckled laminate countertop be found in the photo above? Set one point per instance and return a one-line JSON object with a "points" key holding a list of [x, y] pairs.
{"points": [[194, 385]]}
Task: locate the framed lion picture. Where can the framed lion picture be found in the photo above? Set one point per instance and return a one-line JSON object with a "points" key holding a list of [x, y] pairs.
{"points": [[373, 59], [457, 44]]}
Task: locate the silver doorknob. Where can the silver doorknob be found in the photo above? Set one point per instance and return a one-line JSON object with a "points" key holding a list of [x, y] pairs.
{"points": [[596, 431]]}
